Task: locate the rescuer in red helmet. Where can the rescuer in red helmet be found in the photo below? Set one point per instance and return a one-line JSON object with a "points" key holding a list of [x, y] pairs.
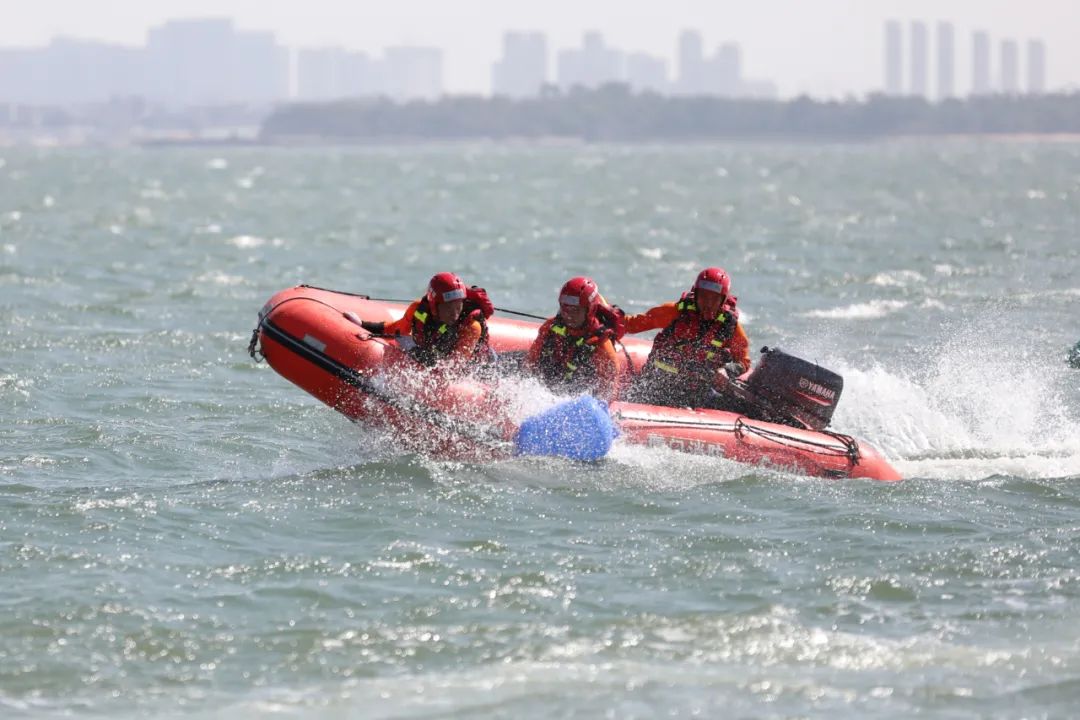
{"points": [[575, 350], [448, 323], [700, 346]]}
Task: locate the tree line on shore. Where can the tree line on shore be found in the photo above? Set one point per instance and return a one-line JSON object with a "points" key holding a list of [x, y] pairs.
{"points": [[614, 113]]}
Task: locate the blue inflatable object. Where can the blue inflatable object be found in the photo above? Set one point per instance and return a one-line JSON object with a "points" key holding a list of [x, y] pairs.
{"points": [[579, 429]]}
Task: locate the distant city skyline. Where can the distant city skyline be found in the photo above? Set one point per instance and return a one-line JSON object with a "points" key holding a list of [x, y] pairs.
{"points": [[986, 78], [827, 48], [210, 61], [204, 61]]}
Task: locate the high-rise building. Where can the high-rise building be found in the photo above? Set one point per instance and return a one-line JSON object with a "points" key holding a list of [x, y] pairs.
{"points": [[260, 70], [893, 58], [81, 71], [413, 73], [361, 76], [332, 73], [185, 62], [920, 59], [1010, 67], [717, 74], [591, 66], [191, 61], [691, 70], [1036, 67], [70, 71], [646, 73], [946, 61], [980, 64], [722, 74], [522, 70], [206, 61], [319, 74], [19, 74]]}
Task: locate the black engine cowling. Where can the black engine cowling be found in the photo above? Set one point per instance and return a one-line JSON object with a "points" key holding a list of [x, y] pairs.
{"points": [[785, 389]]}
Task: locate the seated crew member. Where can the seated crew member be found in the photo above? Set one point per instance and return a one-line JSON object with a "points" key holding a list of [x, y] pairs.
{"points": [[700, 346], [575, 350], [448, 324]]}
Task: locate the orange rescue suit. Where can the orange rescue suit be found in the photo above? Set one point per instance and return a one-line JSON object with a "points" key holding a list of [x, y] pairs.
{"points": [[581, 360], [435, 340], [687, 354], [663, 316]]}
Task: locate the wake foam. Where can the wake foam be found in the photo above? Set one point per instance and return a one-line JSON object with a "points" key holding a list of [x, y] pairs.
{"points": [[965, 409]]}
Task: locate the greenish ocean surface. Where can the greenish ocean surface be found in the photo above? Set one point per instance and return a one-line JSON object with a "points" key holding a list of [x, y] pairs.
{"points": [[183, 533]]}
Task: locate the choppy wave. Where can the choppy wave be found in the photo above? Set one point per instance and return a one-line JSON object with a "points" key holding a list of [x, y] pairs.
{"points": [[963, 410], [860, 311], [184, 533]]}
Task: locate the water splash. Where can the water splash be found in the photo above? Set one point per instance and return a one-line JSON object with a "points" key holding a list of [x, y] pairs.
{"points": [[971, 411]]}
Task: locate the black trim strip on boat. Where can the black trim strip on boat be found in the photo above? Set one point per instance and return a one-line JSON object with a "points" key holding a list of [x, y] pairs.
{"points": [[467, 429], [341, 372]]}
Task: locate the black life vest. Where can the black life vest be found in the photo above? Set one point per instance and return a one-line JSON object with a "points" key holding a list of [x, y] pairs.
{"points": [[692, 347], [435, 339], [566, 360]]}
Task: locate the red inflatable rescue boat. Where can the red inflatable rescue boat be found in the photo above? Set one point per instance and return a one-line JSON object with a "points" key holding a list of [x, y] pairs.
{"points": [[304, 334]]}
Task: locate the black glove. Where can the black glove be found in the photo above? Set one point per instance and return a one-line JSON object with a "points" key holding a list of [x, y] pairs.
{"points": [[373, 327], [728, 322]]}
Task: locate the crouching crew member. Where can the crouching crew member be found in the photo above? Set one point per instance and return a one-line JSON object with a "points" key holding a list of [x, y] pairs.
{"points": [[575, 350], [448, 325], [700, 346]]}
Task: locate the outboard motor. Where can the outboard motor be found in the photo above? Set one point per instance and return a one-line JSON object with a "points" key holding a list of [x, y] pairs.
{"points": [[785, 389]]}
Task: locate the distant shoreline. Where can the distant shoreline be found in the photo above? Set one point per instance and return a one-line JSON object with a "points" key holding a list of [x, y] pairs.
{"points": [[612, 114], [557, 142], [615, 114]]}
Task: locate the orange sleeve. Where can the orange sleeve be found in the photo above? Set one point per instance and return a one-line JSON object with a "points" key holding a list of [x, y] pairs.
{"points": [[739, 346], [403, 325], [532, 359], [608, 370], [656, 318], [468, 337]]}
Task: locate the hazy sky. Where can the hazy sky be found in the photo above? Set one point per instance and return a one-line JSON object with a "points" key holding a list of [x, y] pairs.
{"points": [[824, 47]]}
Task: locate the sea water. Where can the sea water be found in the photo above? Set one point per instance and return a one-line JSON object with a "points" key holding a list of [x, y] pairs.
{"points": [[183, 533]]}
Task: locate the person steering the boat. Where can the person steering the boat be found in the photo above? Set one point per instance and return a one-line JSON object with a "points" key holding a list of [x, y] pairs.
{"points": [[575, 350], [700, 346], [448, 324]]}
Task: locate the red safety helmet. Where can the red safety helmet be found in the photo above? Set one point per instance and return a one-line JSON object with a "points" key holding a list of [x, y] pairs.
{"points": [[445, 287], [580, 292], [714, 279]]}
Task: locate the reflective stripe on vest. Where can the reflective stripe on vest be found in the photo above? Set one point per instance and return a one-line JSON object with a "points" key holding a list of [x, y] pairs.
{"points": [[695, 334], [423, 316], [579, 344], [686, 305], [665, 367]]}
